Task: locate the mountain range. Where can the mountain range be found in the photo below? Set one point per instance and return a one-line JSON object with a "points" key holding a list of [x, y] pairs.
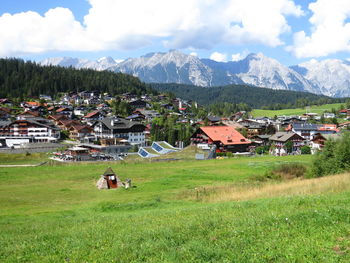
{"points": [[329, 77]]}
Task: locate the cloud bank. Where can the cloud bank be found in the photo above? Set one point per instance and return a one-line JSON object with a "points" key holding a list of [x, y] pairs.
{"points": [[121, 25], [330, 30]]}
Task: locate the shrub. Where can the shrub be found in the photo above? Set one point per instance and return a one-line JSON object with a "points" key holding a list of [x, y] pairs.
{"points": [[262, 149], [334, 158], [305, 149]]}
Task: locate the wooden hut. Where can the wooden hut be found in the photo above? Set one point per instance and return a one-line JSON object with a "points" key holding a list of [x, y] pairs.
{"points": [[109, 180]]}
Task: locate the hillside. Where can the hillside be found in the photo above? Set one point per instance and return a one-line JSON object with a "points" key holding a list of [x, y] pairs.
{"points": [[19, 79], [253, 96], [175, 214]]}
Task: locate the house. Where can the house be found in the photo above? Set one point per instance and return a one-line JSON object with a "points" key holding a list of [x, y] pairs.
{"points": [[225, 138], [279, 143], [93, 116], [65, 124], [19, 132], [28, 115], [68, 112], [79, 132], [328, 115], [308, 130], [138, 104], [77, 153], [317, 143], [57, 117], [136, 117], [5, 113], [149, 114], [115, 127], [213, 120]]}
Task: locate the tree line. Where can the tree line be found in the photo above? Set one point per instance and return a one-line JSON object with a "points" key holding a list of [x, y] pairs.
{"points": [[20, 79], [259, 98]]}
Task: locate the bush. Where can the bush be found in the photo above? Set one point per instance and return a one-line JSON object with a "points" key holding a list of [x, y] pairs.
{"points": [[334, 158], [262, 149], [305, 149], [283, 171]]}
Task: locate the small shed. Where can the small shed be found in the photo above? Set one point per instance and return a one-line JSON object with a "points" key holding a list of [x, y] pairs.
{"points": [[109, 180]]}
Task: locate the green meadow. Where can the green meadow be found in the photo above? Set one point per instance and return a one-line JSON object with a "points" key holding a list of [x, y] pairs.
{"points": [[298, 111], [178, 211]]}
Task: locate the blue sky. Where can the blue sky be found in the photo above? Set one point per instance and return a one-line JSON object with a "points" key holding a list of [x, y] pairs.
{"points": [[289, 31]]}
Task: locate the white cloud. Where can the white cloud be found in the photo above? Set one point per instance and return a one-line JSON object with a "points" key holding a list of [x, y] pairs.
{"points": [[120, 24], [194, 54], [330, 31], [239, 56], [219, 57]]}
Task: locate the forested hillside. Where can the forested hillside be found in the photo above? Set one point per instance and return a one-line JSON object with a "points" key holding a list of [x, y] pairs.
{"points": [[252, 96], [20, 79]]}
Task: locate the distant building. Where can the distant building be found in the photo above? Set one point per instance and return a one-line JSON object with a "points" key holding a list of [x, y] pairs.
{"points": [[279, 143], [19, 132], [226, 138], [113, 127]]}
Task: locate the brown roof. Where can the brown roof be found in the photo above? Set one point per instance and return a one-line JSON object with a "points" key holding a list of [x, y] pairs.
{"points": [[7, 110], [62, 109], [79, 127], [33, 113], [57, 117], [91, 114]]}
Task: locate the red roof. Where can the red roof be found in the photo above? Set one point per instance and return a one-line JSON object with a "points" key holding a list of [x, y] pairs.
{"points": [[91, 114], [63, 109], [225, 134]]}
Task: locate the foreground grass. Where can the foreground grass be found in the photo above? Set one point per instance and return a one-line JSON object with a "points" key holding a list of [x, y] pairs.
{"points": [[298, 111], [56, 214]]}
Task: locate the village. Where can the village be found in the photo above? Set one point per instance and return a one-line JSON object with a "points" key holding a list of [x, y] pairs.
{"points": [[89, 126]]}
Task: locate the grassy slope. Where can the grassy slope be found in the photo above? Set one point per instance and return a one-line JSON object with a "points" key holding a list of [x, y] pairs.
{"points": [[55, 214], [313, 109]]}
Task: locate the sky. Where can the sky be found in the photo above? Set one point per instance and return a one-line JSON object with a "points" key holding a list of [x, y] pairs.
{"points": [[291, 31]]}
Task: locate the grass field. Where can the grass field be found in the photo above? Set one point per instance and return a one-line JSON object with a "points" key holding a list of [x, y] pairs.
{"points": [[299, 111], [54, 213]]}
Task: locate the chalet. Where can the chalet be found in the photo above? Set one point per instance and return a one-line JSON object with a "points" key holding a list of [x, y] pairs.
{"points": [[18, 132], [328, 115], [149, 114], [57, 117], [80, 111], [317, 143], [225, 138], [28, 115], [68, 112], [308, 130], [66, 124], [213, 120], [93, 116], [45, 97], [167, 106], [78, 154], [114, 127], [139, 104], [79, 132], [5, 114], [136, 117], [6, 101], [279, 142]]}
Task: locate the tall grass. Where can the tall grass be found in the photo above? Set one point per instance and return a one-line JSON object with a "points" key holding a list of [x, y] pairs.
{"points": [[296, 187]]}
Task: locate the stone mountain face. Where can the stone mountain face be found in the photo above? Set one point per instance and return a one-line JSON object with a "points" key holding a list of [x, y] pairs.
{"points": [[328, 77], [332, 76]]}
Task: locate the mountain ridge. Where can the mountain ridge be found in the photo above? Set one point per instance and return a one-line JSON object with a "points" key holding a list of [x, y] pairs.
{"points": [[326, 77]]}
